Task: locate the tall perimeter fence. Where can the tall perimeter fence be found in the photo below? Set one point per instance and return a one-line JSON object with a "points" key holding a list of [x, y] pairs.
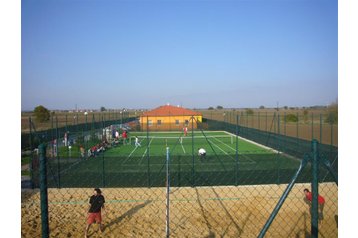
{"points": [[167, 190]]}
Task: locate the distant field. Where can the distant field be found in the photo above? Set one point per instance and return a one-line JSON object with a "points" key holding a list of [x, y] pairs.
{"points": [[308, 125]]}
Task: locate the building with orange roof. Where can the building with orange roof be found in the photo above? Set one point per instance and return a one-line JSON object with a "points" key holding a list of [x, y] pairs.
{"points": [[169, 117]]}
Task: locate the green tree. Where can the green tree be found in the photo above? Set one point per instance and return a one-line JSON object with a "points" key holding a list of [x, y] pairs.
{"points": [[219, 107], [41, 113], [332, 116], [262, 107], [103, 109], [305, 115], [210, 108]]}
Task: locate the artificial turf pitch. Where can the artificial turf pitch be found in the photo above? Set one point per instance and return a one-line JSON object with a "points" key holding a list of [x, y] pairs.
{"points": [[145, 166]]}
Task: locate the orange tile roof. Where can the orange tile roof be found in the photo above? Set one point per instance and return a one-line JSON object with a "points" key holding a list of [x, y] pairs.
{"points": [[169, 110]]}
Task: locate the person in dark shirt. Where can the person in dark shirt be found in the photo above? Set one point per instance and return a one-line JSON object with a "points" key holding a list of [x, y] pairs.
{"points": [[96, 203]]}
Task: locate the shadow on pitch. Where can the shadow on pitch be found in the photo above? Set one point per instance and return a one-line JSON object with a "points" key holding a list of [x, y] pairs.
{"points": [[128, 213], [304, 232], [238, 228], [210, 226], [211, 233], [336, 219]]}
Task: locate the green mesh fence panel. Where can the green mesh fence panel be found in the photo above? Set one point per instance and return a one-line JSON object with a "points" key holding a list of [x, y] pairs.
{"points": [[228, 193]]}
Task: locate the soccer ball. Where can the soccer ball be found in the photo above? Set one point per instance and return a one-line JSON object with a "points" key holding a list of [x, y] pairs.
{"points": [[86, 113]]}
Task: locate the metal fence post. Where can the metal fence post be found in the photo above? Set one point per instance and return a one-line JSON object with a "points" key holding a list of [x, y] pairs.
{"points": [[58, 156], [66, 126], [148, 166], [86, 130], [284, 121], [303, 164], [43, 191], [31, 157], [266, 122], [314, 187], [103, 136], [237, 151], [279, 149], [320, 128], [274, 123], [312, 127], [192, 151], [168, 198], [103, 171], [297, 138]]}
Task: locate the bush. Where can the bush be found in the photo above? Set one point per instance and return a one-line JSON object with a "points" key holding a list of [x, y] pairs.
{"points": [[249, 111], [291, 118], [332, 116]]}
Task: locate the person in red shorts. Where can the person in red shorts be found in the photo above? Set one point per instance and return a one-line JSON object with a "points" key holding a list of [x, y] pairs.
{"points": [[96, 202], [321, 201], [124, 137]]}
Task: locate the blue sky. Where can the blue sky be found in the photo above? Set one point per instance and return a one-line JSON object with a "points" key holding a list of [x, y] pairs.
{"points": [[142, 54]]}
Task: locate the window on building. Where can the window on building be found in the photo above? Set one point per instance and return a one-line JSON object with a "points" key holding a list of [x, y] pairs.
{"points": [[150, 122], [177, 122], [186, 122], [159, 122]]}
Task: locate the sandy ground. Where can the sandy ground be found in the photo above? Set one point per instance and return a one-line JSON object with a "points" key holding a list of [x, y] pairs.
{"points": [[204, 212]]}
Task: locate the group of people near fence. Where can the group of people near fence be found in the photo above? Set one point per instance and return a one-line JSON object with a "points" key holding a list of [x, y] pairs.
{"points": [[98, 148], [117, 138], [94, 150]]}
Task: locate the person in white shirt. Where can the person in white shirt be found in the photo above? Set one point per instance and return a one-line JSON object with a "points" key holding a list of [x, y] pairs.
{"points": [[201, 152], [137, 142]]}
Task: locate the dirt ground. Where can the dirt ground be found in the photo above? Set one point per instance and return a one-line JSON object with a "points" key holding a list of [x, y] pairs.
{"points": [[203, 212]]}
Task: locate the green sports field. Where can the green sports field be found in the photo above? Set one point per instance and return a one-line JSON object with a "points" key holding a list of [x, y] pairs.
{"points": [[145, 165]]}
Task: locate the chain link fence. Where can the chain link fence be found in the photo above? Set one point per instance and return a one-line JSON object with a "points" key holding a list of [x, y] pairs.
{"points": [[230, 194]]}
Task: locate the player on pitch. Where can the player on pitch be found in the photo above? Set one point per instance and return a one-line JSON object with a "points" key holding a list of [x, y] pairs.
{"points": [[96, 202], [201, 153], [137, 144]]}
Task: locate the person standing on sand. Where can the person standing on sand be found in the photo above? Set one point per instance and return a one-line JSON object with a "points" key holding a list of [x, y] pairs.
{"points": [[96, 202], [321, 202]]}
